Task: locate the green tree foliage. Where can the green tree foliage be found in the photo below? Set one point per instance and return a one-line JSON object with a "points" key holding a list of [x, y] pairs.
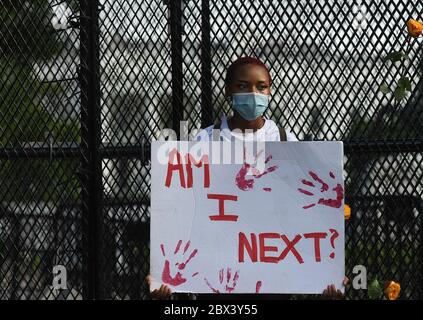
{"points": [[28, 37]]}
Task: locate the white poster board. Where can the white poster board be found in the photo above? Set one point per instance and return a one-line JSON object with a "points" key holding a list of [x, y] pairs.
{"points": [[230, 228]]}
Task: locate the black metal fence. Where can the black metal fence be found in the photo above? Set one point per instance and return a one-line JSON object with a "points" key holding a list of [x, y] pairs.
{"points": [[86, 85]]}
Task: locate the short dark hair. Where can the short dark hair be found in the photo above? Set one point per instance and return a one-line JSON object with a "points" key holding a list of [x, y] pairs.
{"points": [[241, 62]]}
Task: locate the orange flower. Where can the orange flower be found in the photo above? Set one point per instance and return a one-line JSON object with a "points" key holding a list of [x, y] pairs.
{"points": [[414, 28], [392, 290], [347, 212]]}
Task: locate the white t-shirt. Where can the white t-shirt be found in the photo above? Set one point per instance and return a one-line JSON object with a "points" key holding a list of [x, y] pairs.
{"points": [[269, 132]]}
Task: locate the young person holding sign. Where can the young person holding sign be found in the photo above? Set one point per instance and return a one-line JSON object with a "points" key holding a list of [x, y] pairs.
{"points": [[247, 88]]}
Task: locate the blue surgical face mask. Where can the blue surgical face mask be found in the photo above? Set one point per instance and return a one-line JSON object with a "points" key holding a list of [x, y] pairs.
{"points": [[250, 105]]}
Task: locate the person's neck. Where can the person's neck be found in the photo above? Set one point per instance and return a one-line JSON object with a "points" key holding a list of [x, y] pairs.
{"points": [[237, 122]]}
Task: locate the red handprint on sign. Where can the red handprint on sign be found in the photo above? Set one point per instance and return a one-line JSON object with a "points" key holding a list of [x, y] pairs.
{"points": [[246, 184], [177, 279], [258, 286], [225, 280], [330, 202]]}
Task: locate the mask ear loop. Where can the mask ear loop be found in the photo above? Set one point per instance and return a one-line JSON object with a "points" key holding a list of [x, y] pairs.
{"points": [[268, 105], [228, 99], [270, 101]]}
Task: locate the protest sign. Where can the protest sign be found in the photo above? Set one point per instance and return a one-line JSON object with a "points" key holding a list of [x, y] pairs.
{"points": [[233, 228]]}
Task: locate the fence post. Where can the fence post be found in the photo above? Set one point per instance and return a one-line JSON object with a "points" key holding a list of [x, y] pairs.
{"points": [[91, 177], [206, 77], [176, 15]]}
